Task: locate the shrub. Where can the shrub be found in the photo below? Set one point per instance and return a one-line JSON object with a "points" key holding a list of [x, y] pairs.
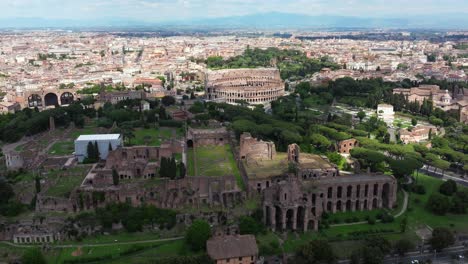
{"points": [[448, 188], [371, 220]]}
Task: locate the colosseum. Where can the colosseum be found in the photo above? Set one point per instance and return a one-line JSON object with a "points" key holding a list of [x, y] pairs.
{"points": [[255, 86]]}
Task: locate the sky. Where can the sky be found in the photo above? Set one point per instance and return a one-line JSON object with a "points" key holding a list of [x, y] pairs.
{"points": [[174, 10]]}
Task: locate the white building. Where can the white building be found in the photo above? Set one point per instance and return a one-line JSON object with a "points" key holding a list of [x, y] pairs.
{"points": [[385, 112], [103, 142]]}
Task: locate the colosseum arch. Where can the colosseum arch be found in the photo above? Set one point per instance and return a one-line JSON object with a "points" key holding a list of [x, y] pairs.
{"points": [[51, 99], [35, 100], [66, 98]]}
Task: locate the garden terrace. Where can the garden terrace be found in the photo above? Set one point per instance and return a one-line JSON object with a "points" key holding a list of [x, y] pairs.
{"points": [[211, 161], [259, 169]]}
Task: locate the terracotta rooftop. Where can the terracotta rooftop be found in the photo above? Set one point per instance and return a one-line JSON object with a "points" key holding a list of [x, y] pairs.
{"points": [[224, 247]]}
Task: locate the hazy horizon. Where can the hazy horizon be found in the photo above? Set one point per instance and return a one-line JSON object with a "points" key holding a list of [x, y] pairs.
{"points": [[38, 13]]}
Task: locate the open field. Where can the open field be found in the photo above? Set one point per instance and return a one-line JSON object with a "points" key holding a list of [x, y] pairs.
{"points": [[65, 182], [267, 168], [61, 148], [151, 136], [213, 161], [419, 215]]}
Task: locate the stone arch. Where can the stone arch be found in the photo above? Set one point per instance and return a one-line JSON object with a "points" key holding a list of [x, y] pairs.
{"points": [[339, 192], [34, 100], [376, 189], [330, 192], [348, 205], [329, 206], [300, 217], [278, 218], [386, 195], [216, 198], [66, 98], [374, 203], [190, 143], [349, 191], [51, 99], [267, 215], [365, 205], [338, 206], [358, 205], [311, 225], [289, 219]]}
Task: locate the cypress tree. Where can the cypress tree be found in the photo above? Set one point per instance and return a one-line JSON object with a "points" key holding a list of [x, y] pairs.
{"points": [[162, 169], [182, 170], [90, 150], [38, 184], [173, 168], [115, 177], [97, 155]]}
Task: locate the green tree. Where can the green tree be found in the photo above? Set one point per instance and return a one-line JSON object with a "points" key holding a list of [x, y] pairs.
{"points": [[441, 238], [361, 115], [182, 170], [115, 177], [414, 121], [168, 100], [6, 192], [37, 181], [248, 225], [97, 154], [403, 225], [320, 142], [197, 235], [90, 151], [438, 204], [403, 246], [448, 187], [316, 251], [33, 256]]}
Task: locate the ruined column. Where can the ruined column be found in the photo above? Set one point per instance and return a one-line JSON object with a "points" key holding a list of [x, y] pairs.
{"points": [[306, 218], [283, 219], [273, 218], [294, 219]]}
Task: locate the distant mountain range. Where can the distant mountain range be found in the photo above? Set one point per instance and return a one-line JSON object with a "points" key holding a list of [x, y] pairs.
{"points": [[272, 20]]}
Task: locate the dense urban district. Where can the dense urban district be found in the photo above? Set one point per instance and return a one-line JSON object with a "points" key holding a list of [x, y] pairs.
{"points": [[316, 148]]}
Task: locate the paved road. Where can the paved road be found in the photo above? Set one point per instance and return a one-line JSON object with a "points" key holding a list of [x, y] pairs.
{"points": [[96, 245], [440, 257], [438, 174]]}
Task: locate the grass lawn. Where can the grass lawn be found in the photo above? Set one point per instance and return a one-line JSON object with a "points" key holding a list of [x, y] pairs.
{"points": [[87, 130], [213, 161], [61, 148], [115, 253], [151, 136], [20, 147], [418, 215], [356, 216], [120, 237], [191, 164], [65, 184], [168, 249]]}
